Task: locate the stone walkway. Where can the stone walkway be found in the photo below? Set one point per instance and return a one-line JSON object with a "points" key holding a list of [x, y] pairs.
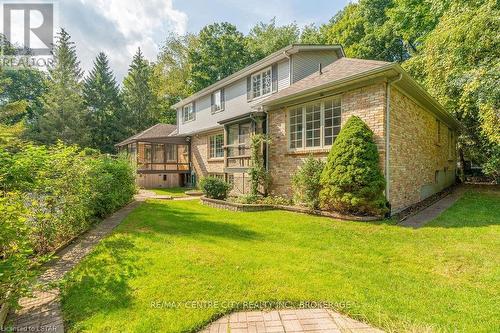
{"points": [[42, 312], [307, 320], [421, 218]]}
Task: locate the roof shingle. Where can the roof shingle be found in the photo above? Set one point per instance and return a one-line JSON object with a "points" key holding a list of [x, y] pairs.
{"points": [[154, 132]]}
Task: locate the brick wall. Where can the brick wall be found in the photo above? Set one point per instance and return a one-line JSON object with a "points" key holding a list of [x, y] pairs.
{"points": [[419, 166], [202, 165], [367, 102]]}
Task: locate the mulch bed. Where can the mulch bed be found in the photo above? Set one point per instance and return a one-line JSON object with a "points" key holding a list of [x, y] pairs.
{"points": [[259, 207]]}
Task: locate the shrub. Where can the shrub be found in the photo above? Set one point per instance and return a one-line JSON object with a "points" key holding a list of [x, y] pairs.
{"points": [[352, 181], [259, 176], [215, 188], [16, 266], [306, 182]]}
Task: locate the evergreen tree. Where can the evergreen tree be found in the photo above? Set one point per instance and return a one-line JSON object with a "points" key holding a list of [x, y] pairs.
{"points": [[141, 109], [352, 181], [104, 108], [63, 107]]}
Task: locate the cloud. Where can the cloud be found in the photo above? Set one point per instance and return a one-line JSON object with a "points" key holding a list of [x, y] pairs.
{"points": [[119, 27]]}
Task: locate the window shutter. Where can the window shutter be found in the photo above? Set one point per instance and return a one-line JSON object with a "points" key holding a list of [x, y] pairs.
{"points": [[222, 98], [249, 87], [194, 110], [212, 102], [274, 71]]}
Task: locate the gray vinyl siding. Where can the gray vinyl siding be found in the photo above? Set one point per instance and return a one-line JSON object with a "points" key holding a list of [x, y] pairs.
{"points": [[236, 104], [283, 74], [306, 63]]}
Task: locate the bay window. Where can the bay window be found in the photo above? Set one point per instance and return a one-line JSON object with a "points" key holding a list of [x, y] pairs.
{"points": [[314, 125]]}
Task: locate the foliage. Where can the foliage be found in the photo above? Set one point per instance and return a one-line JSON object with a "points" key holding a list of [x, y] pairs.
{"points": [[215, 188], [220, 50], [23, 86], [352, 181], [266, 38], [16, 267], [259, 176], [306, 182], [63, 108], [255, 257], [171, 74], [459, 64], [138, 97], [363, 30], [49, 195], [105, 118]]}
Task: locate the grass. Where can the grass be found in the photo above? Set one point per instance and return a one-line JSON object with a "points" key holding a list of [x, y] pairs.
{"points": [[175, 192], [443, 277]]}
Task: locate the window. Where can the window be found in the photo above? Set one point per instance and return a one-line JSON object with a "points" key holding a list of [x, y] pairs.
{"points": [[217, 175], [438, 132], [451, 145], [171, 153], [188, 112], [238, 139], [158, 153], [218, 101], [296, 128], [262, 83], [332, 120], [216, 146], [314, 125]]}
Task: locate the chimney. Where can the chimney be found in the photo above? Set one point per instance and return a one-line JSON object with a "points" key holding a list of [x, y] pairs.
{"points": [[320, 68]]}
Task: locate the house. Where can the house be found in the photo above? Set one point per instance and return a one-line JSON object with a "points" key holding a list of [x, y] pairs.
{"points": [[300, 96]]}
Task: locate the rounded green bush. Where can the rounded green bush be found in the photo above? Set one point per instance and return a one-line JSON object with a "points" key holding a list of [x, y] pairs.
{"points": [[215, 188], [352, 180]]}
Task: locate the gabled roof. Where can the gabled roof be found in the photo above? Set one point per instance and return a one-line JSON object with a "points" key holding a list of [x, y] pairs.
{"points": [[345, 71], [338, 70], [270, 59], [154, 132]]}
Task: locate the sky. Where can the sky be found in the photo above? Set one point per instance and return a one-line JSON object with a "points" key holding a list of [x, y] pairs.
{"points": [[119, 27]]}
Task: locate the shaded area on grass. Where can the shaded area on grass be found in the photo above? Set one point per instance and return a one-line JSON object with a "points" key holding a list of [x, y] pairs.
{"points": [[175, 192], [392, 277]]}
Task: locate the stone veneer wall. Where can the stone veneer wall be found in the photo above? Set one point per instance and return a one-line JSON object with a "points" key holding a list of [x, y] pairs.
{"points": [[202, 165], [368, 103], [419, 166]]}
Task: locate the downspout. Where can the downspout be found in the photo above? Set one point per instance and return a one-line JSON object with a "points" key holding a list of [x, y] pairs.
{"points": [[387, 135]]}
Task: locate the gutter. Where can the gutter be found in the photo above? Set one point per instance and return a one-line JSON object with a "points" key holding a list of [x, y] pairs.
{"points": [[387, 135]]}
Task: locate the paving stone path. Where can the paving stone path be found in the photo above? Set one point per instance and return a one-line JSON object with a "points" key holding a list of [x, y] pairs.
{"points": [[42, 312], [305, 320], [421, 218]]}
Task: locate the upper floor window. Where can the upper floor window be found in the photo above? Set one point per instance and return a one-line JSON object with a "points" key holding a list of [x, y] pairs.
{"points": [[262, 83], [218, 101], [216, 146], [188, 112], [314, 125]]}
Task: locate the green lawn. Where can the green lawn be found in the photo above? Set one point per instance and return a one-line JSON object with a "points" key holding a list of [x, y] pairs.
{"points": [[173, 192], [444, 277]]}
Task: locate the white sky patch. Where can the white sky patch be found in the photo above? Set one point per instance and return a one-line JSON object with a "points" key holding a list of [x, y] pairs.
{"points": [[119, 27]]}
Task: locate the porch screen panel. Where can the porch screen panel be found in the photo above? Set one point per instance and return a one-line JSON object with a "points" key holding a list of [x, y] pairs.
{"points": [[244, 138], [313, 125], [332, 120], [233, 140]]}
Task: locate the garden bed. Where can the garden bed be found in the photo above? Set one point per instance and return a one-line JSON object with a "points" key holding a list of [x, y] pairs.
{"points": [[239, 207]]}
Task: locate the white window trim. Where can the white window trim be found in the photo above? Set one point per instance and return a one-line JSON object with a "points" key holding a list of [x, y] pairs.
{"points": [[322, 145], [220, 101], [270, 69], [215, 147], [184, 120]]}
